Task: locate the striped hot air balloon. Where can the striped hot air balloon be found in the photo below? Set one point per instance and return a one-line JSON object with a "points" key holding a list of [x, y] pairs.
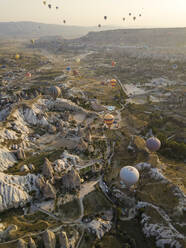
{"points": [[113, 83], [153, 144], [109, 119], [55, 92]]}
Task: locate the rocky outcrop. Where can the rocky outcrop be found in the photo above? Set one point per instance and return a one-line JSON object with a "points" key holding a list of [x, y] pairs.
{"points": [[49, 239], [99, 227], [21, 244], [5, 234], [63, 240], [24, 168], [71, 180], [47, 170], [14, 190], [7, 159], [21, 154], [48, 191], [31, 243]]}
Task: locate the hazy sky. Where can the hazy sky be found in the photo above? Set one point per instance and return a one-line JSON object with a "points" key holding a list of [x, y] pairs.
{"points": [[158, 13]]}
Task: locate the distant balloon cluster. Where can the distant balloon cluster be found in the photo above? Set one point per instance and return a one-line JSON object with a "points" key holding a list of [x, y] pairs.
{"points": [[99, 25]]}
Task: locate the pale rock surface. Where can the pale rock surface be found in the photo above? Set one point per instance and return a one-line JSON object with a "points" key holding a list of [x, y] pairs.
{"points": [[7, 159], [14, 190], [49, 239], [99, 227], [21, 154]]}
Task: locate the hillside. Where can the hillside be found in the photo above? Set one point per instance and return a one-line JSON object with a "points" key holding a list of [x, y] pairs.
{"points": [[36, 30]]}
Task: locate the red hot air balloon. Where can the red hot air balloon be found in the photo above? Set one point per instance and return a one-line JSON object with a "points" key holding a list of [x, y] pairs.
{"points": [[28, 75], [113, 63]]}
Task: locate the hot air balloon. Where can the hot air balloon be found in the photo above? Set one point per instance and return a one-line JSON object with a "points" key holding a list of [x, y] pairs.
{"points": [[109, 119], [17, 56], [57, 7], [123, 18], [105, 17], [75, 73], [68, 68], [129, 175], [153, 144], [64, 21], [32, 41], [50, 6], [113, 83], [55, 92], [3, 66], [139, 15], [78, 60], [130, 14], [113, 63], [28, 74], [44, 2], [99, 26], [175, 66], [134, 18]]}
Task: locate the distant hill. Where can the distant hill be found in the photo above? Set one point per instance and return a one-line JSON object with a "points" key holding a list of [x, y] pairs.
{"points": [[37, 30], [130, 37]]}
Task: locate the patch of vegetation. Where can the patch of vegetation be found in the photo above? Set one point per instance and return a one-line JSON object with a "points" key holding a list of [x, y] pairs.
{"points": [[70, 210], [95, 202]]}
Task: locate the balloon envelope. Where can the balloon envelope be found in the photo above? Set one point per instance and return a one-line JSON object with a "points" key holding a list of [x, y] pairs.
{"points": [[129, 175], [113, 83], [55, 91], [109, 119], [153, 144], [17, 56]]}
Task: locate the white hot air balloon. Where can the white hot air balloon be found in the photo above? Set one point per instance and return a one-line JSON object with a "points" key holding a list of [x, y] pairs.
{"points": [[129, 175]]}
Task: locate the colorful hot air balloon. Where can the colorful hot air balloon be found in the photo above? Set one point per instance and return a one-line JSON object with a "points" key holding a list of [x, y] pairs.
{"points": [[17, 56], [113, 83], [55, 92], [28, 74], [129, 175], [153, 144], [68, 68], [113, 63], [109, 119]]}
